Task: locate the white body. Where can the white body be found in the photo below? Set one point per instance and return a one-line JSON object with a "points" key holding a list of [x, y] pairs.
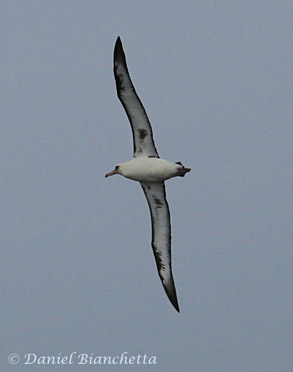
{"points": [[148, 169]]}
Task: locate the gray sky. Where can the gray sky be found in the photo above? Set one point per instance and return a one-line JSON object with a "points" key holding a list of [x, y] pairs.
{"points": [[78, 273]]}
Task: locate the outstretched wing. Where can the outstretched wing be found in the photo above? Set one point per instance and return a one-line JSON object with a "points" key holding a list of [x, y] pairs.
{"points": [[161, 236], [143, 143]]}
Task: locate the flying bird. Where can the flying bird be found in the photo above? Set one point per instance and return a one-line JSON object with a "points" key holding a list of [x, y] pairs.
{"points": [[149, 169]]}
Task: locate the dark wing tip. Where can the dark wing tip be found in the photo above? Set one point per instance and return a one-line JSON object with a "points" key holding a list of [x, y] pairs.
{"points": [[119, 55], [118, 43], [171, 293]]}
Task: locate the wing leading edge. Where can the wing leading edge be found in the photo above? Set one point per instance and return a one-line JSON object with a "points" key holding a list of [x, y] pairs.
{"points": [[143, 142], [161, 236]]}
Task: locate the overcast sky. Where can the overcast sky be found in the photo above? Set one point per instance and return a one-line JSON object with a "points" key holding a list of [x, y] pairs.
{"points": [[77, 268]]}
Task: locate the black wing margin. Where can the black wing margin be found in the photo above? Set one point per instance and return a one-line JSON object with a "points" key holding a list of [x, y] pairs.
{"points": [[143, 143], [161, 236]]}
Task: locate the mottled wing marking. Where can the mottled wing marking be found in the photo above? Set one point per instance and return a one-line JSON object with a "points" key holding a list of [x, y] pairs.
{"points": [[161, 236], [143, 143]]}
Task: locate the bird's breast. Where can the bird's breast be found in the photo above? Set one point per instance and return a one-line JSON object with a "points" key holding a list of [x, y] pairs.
{"points": [[148, 169]]}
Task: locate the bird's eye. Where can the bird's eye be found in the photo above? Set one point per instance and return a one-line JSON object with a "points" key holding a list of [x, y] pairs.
{"points": [[117, 167]]}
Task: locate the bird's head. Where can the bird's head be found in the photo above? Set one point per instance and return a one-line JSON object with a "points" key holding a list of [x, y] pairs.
{"points": [[116, 170]]}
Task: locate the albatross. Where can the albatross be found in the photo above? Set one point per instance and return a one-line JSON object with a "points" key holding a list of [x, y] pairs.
{"points": [[149, 169]]}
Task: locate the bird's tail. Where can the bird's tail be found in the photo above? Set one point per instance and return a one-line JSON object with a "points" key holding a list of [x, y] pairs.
{"points": [[181, 171]]}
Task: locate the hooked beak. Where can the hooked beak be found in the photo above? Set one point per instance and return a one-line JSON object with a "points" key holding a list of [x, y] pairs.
{"points": [[111, 173]]}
